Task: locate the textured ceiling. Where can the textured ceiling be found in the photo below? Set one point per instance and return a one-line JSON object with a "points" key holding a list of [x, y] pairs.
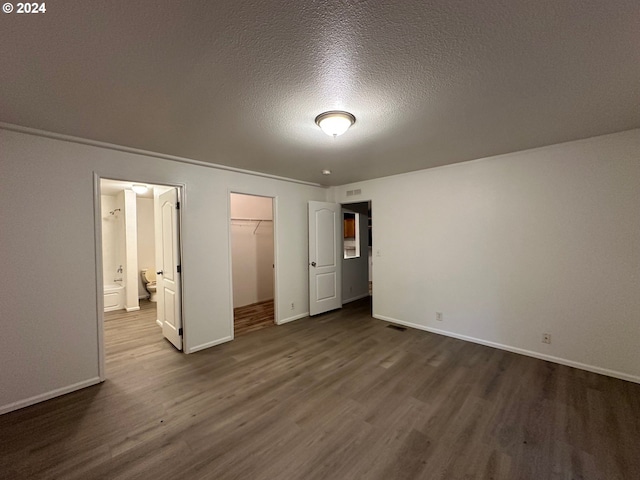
{"points": [[239, 83]]}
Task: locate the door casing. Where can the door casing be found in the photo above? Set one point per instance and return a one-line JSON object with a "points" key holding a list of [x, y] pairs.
{"points": [[97, 216]]}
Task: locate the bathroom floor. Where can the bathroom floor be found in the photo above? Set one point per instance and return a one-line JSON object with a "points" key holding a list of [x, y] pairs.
{"points": [[147, 309], [130, 330]]}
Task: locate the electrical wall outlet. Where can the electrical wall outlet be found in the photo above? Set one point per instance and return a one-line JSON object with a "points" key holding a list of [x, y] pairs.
{"points": [[439, 316], [546, 338], [293, 306]]}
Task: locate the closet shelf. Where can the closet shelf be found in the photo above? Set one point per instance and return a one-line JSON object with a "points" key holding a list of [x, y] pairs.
{"points": [[251, 220]]}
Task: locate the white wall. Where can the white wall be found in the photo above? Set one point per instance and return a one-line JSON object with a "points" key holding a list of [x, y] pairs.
{"points": [[506, 247], [252, 249], [113, 254], [49, 347], [146, 240], [131, 250], [355, 271], [251, 207], [113, 238], [509, 247]]}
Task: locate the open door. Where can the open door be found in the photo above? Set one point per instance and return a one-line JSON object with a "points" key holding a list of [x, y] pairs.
{"points": [[168, 274], [325, 257]]}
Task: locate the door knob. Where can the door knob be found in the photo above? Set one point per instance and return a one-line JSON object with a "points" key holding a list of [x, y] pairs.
{"points": [[159, 273], [313, 264]]}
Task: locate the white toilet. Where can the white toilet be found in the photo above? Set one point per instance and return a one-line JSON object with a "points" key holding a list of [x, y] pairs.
{"points": [[149, 280]]}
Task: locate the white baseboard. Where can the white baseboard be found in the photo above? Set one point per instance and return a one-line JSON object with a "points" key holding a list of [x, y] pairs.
{"points": [[254, 303], [158, 322], [48, 395], [132, 309], [197, 348], [353, 299], [521, 351], [291, 319]]}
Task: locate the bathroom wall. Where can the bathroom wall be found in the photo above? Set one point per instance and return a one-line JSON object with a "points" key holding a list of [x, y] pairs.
{"points": [[131, 250], [113, 246], [114, 243], [146, 240]]}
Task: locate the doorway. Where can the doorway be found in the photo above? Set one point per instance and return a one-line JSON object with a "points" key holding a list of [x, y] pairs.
{"points": [[252, 262], [340, 261], [138, 263], [357, 278]]}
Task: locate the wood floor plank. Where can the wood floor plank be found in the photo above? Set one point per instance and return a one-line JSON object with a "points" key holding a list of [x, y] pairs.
{"points": [[251, 318], [337, 396]]}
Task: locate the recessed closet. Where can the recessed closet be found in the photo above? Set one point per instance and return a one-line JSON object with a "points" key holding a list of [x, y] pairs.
{"points": [[252, 261]]}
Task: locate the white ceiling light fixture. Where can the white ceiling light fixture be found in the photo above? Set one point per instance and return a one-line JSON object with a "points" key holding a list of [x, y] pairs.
{"points": [[335, 122], [139, 189], [326, 172]]}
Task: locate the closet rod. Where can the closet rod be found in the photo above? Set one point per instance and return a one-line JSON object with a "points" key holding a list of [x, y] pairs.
{"points": [[251, 219]]}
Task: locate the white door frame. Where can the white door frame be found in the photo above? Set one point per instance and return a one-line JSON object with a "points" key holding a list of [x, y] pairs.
{"points": [[97, 217], [274, 206]]}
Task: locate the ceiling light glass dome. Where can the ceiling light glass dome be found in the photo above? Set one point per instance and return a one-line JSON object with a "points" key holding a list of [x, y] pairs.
{"points": [[335, 123]]}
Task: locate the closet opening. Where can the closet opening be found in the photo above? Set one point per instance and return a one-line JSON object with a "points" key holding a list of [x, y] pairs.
{"points": [[252, 262]]}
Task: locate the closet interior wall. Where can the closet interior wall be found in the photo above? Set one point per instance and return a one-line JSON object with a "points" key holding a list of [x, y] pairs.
{"points": [[252, 249]]}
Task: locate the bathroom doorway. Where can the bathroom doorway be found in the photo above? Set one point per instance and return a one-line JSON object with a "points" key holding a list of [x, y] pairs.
{"points": [[138, 227], [252, 262]]}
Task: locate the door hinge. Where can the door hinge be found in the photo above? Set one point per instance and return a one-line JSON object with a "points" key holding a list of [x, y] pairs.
{"points": [[180, 331], [177, 205], [179, 269]]}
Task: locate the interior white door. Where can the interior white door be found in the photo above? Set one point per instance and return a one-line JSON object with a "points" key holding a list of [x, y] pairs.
{"points": [[325, 260], [168, 273]]}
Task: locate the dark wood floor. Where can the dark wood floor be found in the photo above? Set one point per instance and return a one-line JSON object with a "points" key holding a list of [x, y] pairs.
{"points": [[253, 317], [339, 396]]}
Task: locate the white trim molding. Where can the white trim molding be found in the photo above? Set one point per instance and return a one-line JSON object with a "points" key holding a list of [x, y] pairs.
{"points": [[111, 146], [353, 299], [197, 348], [291, 319], [49, 395]]}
